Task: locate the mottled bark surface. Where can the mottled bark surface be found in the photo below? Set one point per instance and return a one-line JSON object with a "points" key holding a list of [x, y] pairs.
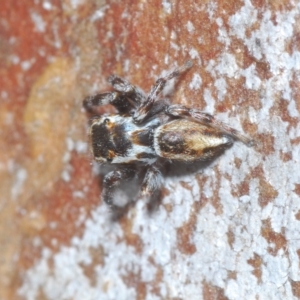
{"points": [[227, 231]]}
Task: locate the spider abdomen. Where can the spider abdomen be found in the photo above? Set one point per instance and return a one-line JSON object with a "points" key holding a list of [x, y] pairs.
{"points": [[189, 141]]}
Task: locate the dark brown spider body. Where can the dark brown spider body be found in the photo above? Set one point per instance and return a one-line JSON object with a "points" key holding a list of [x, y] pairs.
{"points": [[147, 130]]}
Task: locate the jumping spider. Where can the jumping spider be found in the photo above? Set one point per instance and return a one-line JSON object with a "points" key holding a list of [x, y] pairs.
{"points": [[147, 130]]}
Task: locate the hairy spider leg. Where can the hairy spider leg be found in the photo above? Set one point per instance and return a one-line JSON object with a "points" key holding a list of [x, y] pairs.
{"points": [[142, 112], [127, 89], [152, 181], [91, 102], [177, 110], [124, 98], [112, 180]]}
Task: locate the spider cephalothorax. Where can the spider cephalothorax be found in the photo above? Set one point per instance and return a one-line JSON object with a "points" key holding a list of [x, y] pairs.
{"points": [[147, 130]]}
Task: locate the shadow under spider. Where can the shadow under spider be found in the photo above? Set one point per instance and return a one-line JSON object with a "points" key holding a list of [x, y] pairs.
{"points": [[130, 189]]}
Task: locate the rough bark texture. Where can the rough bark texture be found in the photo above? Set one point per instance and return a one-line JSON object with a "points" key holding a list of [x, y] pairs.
{"points": [[228, 231]]}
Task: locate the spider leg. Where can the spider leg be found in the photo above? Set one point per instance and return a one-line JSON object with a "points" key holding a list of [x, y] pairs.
{"points": [[152, 181], [112, 180], [124, 98], [207, 119], [127, 89], [91, 102], [142, 112]]}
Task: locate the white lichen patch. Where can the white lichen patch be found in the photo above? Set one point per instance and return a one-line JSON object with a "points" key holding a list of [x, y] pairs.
{"points": [[39, 23], [196, 82]]}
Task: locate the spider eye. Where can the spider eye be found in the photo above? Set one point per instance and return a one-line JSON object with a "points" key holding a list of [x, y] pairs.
{"points": [[109, 159], [106, 121]]}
